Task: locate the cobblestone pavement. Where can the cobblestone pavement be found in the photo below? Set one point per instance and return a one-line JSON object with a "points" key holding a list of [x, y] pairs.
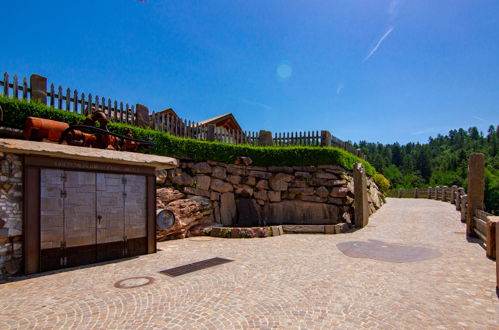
{"points": [[290, 281]]}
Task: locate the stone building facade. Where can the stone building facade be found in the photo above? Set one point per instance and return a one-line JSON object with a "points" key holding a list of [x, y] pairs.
{"points": [[11, 210]]}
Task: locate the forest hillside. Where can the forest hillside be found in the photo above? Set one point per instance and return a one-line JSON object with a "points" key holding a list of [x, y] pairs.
{"points": [[441, 161]]}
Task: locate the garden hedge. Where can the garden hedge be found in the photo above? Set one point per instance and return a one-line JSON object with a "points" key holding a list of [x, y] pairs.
{"points": [[15, 112]]}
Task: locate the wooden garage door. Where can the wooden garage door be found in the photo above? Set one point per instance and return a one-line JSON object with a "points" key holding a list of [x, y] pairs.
{"points": [[88, 217]]}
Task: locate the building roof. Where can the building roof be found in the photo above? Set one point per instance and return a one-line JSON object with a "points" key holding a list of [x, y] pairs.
{"points": [[227, 120]]}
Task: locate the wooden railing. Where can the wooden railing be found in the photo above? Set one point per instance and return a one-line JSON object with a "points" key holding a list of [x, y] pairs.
{"points": [[479, 223], [74, 101], [483, 222]]}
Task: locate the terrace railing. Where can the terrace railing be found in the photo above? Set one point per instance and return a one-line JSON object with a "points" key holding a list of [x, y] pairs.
{"points": [[82, 103]]}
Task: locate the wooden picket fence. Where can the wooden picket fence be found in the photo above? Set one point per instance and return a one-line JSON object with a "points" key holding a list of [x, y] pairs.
{"points": [[81, 103], [72, 101]]}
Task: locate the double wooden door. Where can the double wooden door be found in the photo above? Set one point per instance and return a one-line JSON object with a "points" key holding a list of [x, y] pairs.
{"points": [[88, 217]]}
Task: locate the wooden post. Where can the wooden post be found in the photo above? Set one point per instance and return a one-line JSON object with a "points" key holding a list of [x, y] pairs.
{"points": [[497, 263], [416, 193], [325, 139], [265, 138], [428, 193], [361, 206], [464, 201], [476, 188], [445, 191], [142, 115], [210, 132], [38, 85], [459, 194], [491, 236], [399, 193], [453, 191]]}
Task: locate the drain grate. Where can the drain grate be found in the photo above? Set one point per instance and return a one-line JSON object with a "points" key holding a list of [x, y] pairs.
{"points": [[189, 268]]}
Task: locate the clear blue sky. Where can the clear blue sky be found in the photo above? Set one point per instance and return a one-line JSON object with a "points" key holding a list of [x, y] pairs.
{"points": [[378, 70]]}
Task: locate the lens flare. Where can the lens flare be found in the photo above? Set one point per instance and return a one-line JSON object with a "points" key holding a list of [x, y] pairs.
{"points": [[284, 71]]}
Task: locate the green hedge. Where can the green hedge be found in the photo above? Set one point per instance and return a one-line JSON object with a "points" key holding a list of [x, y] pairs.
{"points": [[15, 112]]}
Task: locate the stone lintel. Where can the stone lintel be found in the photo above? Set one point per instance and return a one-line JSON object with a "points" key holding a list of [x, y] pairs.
{"points": [[86, 154]]}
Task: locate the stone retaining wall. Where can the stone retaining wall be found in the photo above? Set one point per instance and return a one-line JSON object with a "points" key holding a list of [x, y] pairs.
{"points": [[295, 195], [11, 189]]}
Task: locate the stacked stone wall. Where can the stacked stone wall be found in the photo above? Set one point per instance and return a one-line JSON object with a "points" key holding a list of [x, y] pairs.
{"points": [[294, 195], [11, 194]]}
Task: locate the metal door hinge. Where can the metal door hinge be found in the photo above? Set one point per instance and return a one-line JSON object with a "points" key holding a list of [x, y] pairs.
{"points": [[63, 193]]}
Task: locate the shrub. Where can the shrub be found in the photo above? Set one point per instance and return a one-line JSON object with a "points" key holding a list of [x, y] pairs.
{"points": [[382, 182], [15, 112]]}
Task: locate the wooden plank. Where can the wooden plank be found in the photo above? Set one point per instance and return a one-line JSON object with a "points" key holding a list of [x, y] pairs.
{"points": [[52, 92], [96, 103], [82, 104], [480, 235], [31, 223], [68, 99], [480, 224], [483, 215], [88, 109], [25, 88], [6, 84], [15, 87], [59, 98]]}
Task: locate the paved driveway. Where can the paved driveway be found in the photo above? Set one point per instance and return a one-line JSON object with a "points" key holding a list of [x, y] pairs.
{"points": [[290, 281]]}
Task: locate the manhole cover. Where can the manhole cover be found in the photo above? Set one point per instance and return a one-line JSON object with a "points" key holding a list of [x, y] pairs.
{"points": [[133, 282], [391, 252]]}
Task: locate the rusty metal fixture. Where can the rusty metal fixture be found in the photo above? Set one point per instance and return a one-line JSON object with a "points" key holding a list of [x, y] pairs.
{"points": [[97, 116], [40, 128], [103, 139]]}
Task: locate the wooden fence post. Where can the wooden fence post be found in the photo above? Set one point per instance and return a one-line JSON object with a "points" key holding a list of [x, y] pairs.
{"points": [[38, 85], [464, 201], [210, 132], [497, 254], [399, 193], [445, 191], [142, 115], [325, 139], [459, 195], [265, 138], [428, 193], [416, 193], [476, 189], [453, 191], [361, 206]]}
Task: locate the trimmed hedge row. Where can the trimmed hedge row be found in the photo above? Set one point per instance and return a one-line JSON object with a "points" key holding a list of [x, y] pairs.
{"points": [[15, 111]]}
